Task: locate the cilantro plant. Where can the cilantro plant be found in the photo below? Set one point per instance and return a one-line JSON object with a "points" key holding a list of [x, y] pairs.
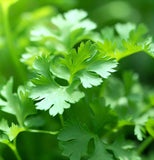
{"points": [[64, 86]]}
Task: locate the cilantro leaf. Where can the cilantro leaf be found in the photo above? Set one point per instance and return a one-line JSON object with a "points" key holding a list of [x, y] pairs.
{"points": [[100, 152], [123, 150], [104, 118], [76, 24], [128, 102], [150, 127], [9, 132], [89, 65], [31, 53], [18, 104], [55, 98], [74, 140], [130, 39], [51, 95]]}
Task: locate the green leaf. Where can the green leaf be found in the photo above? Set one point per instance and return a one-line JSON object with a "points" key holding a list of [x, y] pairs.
{"points": [[9, 132], [150, 127], [104, 118], [139, 131], [128, 102], [74, 140], [89, 65], [4, 125], [14, 131], [107, 33], [123, 150], [18, 104], [31, 53], [76, 61], [50, 95], [55, 98], [124, 29], [58, 69], [76, 24], [100, 152], [131, 39]]}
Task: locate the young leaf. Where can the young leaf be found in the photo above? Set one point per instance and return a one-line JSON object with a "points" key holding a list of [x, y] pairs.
{"points": [[89, 65], [9, 132]]}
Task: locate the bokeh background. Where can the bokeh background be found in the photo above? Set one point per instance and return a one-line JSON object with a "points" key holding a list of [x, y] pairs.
{"points": [[25, 13]]}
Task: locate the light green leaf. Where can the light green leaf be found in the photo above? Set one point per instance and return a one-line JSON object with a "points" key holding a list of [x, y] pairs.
{"points": [[89, 65], [76, 24], [131, 39], [55, 98], [52, 96], [18, 103], [150, 127], [4, 125], [14, 130], [9, 132], [124, 29]]}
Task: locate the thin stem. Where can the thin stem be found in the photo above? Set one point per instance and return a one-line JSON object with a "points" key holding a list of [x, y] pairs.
{"points": [[13, 52], [61, 119], [71, 79], [145, 144], [14, 149], [42, 131]]}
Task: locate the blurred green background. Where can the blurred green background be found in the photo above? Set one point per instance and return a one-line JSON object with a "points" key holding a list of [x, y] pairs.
{"points": [[25, 13]]}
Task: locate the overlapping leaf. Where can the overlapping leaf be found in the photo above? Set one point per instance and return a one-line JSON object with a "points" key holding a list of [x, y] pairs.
{"points": [[67, 30], [129, 103], [89, 65], [50, 95], [74, 141]]}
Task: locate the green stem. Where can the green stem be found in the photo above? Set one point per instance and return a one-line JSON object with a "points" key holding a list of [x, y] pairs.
{"points": [[14, 149], [42, 131], [13, 52], [61, 119], [71, 79], [145, 144]]}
